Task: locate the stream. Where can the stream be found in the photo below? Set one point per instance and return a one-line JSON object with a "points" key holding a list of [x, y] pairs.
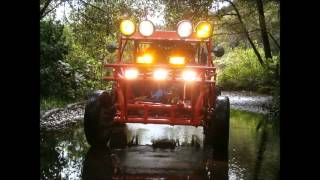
{"points": [[254, 148]]}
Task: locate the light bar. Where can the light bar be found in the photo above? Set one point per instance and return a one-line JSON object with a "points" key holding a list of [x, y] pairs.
{"points": [[145, 59], [177, 60]]}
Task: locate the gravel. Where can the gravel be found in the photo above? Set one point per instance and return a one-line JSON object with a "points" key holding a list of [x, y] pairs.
{"points": [[62, 117]]}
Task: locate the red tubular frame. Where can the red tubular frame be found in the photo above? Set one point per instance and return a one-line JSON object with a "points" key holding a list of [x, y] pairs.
{"points": [[205, 83]]}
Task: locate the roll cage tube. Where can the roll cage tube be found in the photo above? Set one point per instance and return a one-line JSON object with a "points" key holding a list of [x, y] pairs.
{"points": [[136, 42]]}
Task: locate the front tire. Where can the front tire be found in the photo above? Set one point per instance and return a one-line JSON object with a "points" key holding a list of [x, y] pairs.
{"points": [[98, 118], [217, 131]]}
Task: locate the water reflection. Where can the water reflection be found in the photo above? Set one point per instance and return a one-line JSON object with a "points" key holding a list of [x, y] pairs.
{"points": [[253, 154], [97, 164], [62, 152], [148, 133]]}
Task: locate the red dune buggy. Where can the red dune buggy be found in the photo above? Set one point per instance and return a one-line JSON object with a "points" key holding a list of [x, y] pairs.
{"points": [[161, 77]]}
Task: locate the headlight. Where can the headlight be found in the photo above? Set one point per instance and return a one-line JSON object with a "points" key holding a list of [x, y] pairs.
{"points": [[203, 30], [177, 60], [145, 59], [146, 28], [131, 73], [160, 74], [189, 75], [184, 29], [127, 27]]}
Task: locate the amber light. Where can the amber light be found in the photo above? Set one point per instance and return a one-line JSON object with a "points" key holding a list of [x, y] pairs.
{"points": [[177, 60], [203, 30], [127, 27], [145, 59]]}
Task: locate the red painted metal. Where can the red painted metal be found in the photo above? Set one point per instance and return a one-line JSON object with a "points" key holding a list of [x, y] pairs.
{"points": [[186, 122]]}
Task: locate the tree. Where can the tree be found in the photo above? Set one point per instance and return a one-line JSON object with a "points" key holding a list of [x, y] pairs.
{"points": [[264, 33], [53, 49], [48, 6], [251, 18], [247, 33]]}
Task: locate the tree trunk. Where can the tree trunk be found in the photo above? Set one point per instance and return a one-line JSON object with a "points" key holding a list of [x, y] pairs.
{"points": [[44, 8], [247, 34], [264, 33], [274, 40]]}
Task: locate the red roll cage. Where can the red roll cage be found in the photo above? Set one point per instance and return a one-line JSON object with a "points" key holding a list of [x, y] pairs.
{"points": [[206, 84]]}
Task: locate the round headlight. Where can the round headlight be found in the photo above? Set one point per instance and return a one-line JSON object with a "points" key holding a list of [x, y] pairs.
{"points": [[184, 29], [203, 30], [189, 75], [131, 74], [160, 74], [146, 28], [127, 27]]}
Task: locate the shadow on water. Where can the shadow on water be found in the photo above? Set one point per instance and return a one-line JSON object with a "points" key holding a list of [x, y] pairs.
{"points": [[164, 152], [97, 164]]}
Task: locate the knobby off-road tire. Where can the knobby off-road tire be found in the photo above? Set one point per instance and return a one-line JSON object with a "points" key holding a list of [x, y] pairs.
{"points": [[98, 117], [218, 129]]}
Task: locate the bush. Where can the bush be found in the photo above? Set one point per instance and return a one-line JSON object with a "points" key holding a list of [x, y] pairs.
{"points": [[67, 70], [240, 70]]}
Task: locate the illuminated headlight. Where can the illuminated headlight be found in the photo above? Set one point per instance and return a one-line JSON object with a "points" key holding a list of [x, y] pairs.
{"points": [[189, 75], [160, 74], [145, 59], [127, 27], [131, 73], [176, 60], [203, 30], [184, 29], [146, 28]]}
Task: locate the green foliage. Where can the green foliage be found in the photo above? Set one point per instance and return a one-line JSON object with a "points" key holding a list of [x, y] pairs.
{"points": [[240, 70], [194, 11], [228, 30], [55, 74], [66, 71]]}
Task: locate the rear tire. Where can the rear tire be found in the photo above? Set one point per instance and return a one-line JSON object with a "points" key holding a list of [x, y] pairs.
{"points": [[218, 129], [98, 118]]}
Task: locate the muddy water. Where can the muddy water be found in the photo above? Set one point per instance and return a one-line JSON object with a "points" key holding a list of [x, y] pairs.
{"points": [[253, 154]]}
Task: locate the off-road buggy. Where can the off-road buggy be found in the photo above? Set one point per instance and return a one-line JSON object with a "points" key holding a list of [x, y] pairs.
{"points": [[161, 77]]}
